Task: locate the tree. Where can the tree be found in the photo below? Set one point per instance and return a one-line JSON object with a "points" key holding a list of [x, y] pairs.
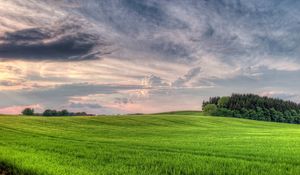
{"points": [[28, 111], [210, 109], [223, 102], [49, 112], [253, 107], [64, 112]]}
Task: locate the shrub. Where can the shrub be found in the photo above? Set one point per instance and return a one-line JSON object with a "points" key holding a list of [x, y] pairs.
{"points": [[210, 109]]}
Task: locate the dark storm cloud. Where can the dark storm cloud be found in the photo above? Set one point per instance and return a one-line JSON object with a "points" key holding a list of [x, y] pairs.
{"points": [[27, 35], [67, 42]]}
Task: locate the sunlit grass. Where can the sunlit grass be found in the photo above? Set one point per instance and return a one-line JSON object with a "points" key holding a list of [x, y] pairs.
{"points": [[171, 143]]}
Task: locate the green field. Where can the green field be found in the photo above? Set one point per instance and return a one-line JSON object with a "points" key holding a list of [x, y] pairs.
{"points": [[177, 143]]}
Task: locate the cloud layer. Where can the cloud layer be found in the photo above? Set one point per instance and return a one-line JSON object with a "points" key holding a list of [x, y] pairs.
{"points": [[138, 55]]}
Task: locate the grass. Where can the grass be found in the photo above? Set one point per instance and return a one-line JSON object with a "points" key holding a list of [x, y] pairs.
{"points": [[170, 143]]}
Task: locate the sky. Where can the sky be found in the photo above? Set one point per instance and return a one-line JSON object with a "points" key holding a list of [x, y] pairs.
{"points": [[145, 56]]}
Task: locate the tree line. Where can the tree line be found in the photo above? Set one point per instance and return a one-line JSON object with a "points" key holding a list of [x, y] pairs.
{"points": [[53, 112], [252, 106]]}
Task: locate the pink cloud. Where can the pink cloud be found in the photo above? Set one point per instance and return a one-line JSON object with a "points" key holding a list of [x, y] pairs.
{"points": [[18, 109]]}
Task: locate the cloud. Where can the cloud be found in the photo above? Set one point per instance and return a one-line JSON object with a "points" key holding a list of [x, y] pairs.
{"points": [[154, 81], [186, 78], [60, 94], [67, 42], [123, 100], [11, 83], [180, 31], [283, 64], [282, 95], [84, 105]]}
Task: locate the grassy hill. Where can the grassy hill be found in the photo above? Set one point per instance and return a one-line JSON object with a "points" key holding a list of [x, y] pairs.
{"points": [[171, 143]]}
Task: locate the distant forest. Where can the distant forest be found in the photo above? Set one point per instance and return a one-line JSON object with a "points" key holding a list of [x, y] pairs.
{"points": [[254, 107]]}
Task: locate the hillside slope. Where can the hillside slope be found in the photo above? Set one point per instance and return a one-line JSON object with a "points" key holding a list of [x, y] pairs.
{"points": [[148, 144]]}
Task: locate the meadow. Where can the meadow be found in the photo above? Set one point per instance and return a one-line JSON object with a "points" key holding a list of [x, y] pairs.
{"points": [[169, 143]]}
